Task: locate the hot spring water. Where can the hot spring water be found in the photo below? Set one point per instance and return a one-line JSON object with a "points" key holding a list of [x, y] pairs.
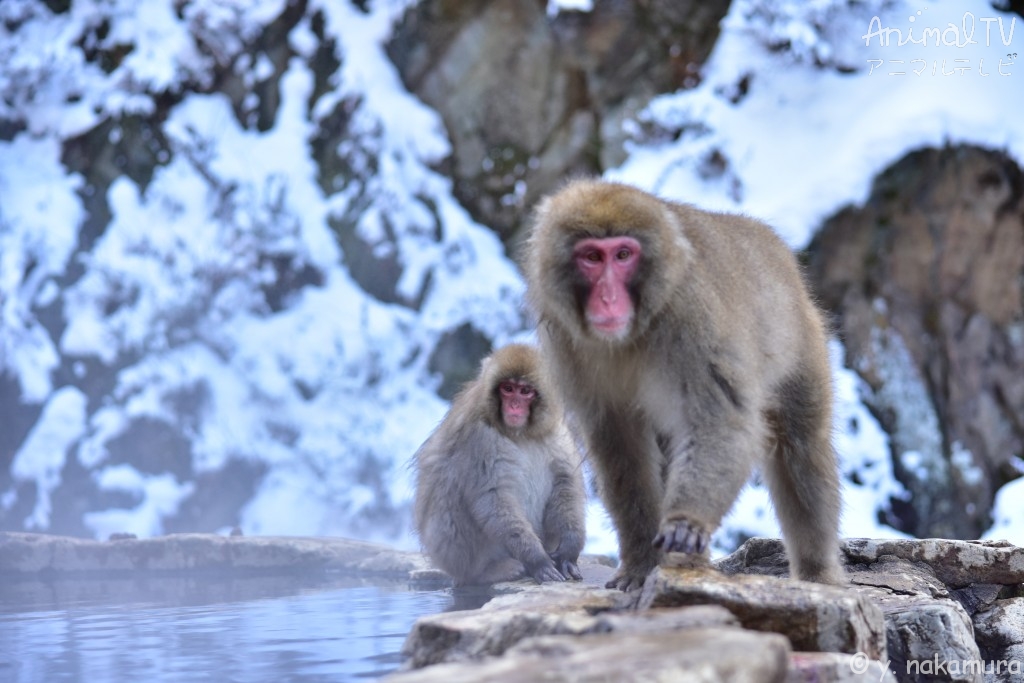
{"points": [[157, 630]]}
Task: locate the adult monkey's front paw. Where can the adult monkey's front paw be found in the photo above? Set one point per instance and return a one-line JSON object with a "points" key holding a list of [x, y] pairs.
{"points": [[682, 536], [627, 579]]}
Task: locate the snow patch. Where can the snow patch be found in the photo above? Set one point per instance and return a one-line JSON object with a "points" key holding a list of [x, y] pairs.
{"points": [[963, 460], [42, 455], [916, 437], [1008, 522], [160, 496], [556, 6], [39, 218]]}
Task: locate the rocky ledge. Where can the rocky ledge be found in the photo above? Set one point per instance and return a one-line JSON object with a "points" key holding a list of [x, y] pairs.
{"points": [[43, 555], [914, 610], [928, 610]]}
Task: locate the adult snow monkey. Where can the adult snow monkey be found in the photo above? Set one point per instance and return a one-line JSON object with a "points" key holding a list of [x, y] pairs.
{"points": [[688, 347]]}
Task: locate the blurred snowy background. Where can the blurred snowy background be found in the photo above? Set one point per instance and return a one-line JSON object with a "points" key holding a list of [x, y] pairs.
{"points": [[248, 250]]}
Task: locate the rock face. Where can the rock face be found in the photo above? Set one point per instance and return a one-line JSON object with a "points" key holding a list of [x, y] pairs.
{"points": [[942, 601], [529, 99], [924, 282], [541, 629], [999, 630], [551, 609], [914, 611], [813, 617], [737, 656]]}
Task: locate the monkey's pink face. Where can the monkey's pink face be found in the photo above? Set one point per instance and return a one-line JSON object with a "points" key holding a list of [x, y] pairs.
{"points": [[516, 397], [608, 264]]}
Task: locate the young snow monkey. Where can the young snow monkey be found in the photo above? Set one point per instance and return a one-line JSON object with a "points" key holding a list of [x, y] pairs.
{"points": [[687, 346], [499, 492]]}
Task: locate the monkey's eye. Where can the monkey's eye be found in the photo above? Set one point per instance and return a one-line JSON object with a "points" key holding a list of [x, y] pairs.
{"points": [[526, 391], [593, 256], [623, 254], [507, 388]]}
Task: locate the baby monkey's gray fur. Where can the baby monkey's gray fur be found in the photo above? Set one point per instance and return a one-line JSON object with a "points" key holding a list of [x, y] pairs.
{"points": [[497, 503], [723, 367]]}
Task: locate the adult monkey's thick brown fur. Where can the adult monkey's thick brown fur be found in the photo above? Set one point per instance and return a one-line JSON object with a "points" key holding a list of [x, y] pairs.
{"points": [[499, 490], [687, 346]]}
